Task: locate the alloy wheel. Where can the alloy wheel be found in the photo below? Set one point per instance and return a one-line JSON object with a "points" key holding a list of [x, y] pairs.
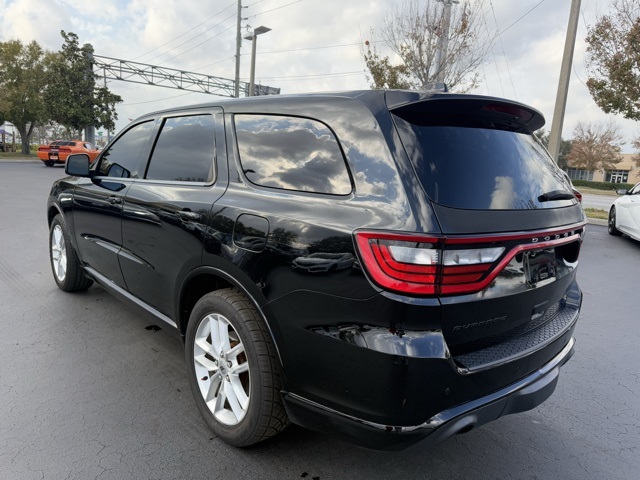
{"points": [[222, 369], [58, 254]]}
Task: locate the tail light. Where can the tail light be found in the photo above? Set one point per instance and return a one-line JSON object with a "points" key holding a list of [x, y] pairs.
{"points": [[437, 265], [64, 150], [577, 194]]}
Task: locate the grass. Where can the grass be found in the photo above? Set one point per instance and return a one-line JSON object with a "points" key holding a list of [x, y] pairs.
{"points": [[17, 155], [596, 213], [611, 193]]}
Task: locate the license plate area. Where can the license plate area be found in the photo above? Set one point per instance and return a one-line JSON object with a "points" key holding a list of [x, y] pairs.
{"points": [[540, 266]]}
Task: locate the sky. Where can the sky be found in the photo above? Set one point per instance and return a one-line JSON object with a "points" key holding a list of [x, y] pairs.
{"points": [[312, 46]]}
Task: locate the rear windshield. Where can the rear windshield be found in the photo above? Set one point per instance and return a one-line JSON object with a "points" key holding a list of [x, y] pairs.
{"points": [[482, 168]]}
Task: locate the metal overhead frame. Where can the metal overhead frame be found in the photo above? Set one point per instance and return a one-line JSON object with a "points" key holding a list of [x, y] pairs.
{"points": [[124, 70]]}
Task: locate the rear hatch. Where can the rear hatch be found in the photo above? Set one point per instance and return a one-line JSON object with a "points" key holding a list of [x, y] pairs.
{"points": [[504, 266]]}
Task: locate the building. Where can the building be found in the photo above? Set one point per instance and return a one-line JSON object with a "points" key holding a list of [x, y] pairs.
{"points": [[625, 171]]}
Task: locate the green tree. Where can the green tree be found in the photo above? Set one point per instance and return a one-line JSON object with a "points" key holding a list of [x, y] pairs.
{"points": [[613, 59], [22, 83], [413, 32], [565, 147], [595, 146], [72, 97]]}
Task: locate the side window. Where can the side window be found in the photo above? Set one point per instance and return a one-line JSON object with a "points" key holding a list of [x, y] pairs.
{"points": [[291, 153], [124, 157], [184, 150]]}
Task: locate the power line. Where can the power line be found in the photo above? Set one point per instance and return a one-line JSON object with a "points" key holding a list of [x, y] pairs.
{"points": [[201, 43], [502, 46], [200, 34], [316, 75], [486, 26], [314, 48], [187, 31], [303, 49], [159, 99], [273, 9], [520, 18]]}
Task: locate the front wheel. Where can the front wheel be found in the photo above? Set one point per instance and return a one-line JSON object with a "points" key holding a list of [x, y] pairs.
{"points": [[612, 223], [233, 369], [64, 261]]}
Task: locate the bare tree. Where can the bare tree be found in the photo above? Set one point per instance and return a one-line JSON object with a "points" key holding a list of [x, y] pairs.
{"points": [[595, 146], [636, 145], [414, 32]]}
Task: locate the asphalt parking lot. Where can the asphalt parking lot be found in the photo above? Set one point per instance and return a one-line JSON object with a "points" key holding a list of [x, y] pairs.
{"points": [[88, 390]]}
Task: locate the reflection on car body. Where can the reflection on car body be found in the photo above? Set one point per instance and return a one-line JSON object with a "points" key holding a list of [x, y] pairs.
{"points": [[324, 262]]}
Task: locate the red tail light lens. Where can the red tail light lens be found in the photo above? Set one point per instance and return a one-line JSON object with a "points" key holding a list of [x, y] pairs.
{"points": [[578, 195], [420, 265], [436, 265]]}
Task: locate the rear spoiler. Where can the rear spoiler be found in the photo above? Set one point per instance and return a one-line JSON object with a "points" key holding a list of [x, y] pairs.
{"points": [[445, 109]]}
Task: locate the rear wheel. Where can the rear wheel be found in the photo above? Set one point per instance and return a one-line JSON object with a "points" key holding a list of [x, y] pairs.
{"points": [[234, 373], [612, 223], [64, 261]]}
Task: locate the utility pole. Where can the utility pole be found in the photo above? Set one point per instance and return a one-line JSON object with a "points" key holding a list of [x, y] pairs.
{"points": [[563, 83], [90, 130], [238, 44], [443, 41]]}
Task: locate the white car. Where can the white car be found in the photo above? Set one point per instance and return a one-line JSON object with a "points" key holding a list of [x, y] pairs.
{"points": [[624, 216]]}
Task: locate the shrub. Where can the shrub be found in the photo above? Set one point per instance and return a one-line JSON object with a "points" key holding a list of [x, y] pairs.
{"points": [[602, 185]]}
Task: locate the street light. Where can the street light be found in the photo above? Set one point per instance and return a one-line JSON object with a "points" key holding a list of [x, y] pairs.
{"points": [[252, 37]]}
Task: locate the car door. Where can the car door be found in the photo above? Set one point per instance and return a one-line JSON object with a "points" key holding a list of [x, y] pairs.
{"points": [[98, 201], [629, 211], [166, 213]]}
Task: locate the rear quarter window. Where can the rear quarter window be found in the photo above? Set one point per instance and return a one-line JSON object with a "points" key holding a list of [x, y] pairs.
{"points": [[291, 153]]}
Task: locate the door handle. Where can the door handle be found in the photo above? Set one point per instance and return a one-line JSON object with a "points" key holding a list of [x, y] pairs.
{"points": [[114, 200], [189, 216]]}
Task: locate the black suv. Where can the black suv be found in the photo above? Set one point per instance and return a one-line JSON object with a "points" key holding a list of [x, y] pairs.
{"points": [[381, 265]]}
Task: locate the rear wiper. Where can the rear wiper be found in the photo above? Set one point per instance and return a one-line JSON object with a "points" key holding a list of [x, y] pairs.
{"points": [[556, 195]]}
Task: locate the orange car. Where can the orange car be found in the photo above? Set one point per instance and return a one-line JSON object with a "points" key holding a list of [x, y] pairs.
{"points": [[58, 151]]}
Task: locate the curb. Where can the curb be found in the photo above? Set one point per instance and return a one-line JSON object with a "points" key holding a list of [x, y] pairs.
{"points": [[597, 221], [19, 159]]}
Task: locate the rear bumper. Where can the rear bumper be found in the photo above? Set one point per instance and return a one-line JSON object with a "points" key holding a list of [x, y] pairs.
{"points": [[523, 395]]}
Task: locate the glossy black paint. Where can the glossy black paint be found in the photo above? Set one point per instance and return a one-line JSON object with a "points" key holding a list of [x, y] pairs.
{"points": [[345, 345]]}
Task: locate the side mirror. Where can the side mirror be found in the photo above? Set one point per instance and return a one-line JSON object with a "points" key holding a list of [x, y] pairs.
{"points": [[622, 191], [77, 165]]}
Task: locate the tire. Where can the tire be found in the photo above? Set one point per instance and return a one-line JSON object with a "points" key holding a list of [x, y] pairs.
{"points": [[49, 163], [237, 389], [64, 260], [611, 223]]}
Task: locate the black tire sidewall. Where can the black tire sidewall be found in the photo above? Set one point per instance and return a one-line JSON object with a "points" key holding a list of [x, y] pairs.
{"points": [[74, 279], [240, 434], [64, 285], [611, 223]]}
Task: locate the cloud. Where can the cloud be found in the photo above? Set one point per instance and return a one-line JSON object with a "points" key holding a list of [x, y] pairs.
{"points": [[313, 46]]}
